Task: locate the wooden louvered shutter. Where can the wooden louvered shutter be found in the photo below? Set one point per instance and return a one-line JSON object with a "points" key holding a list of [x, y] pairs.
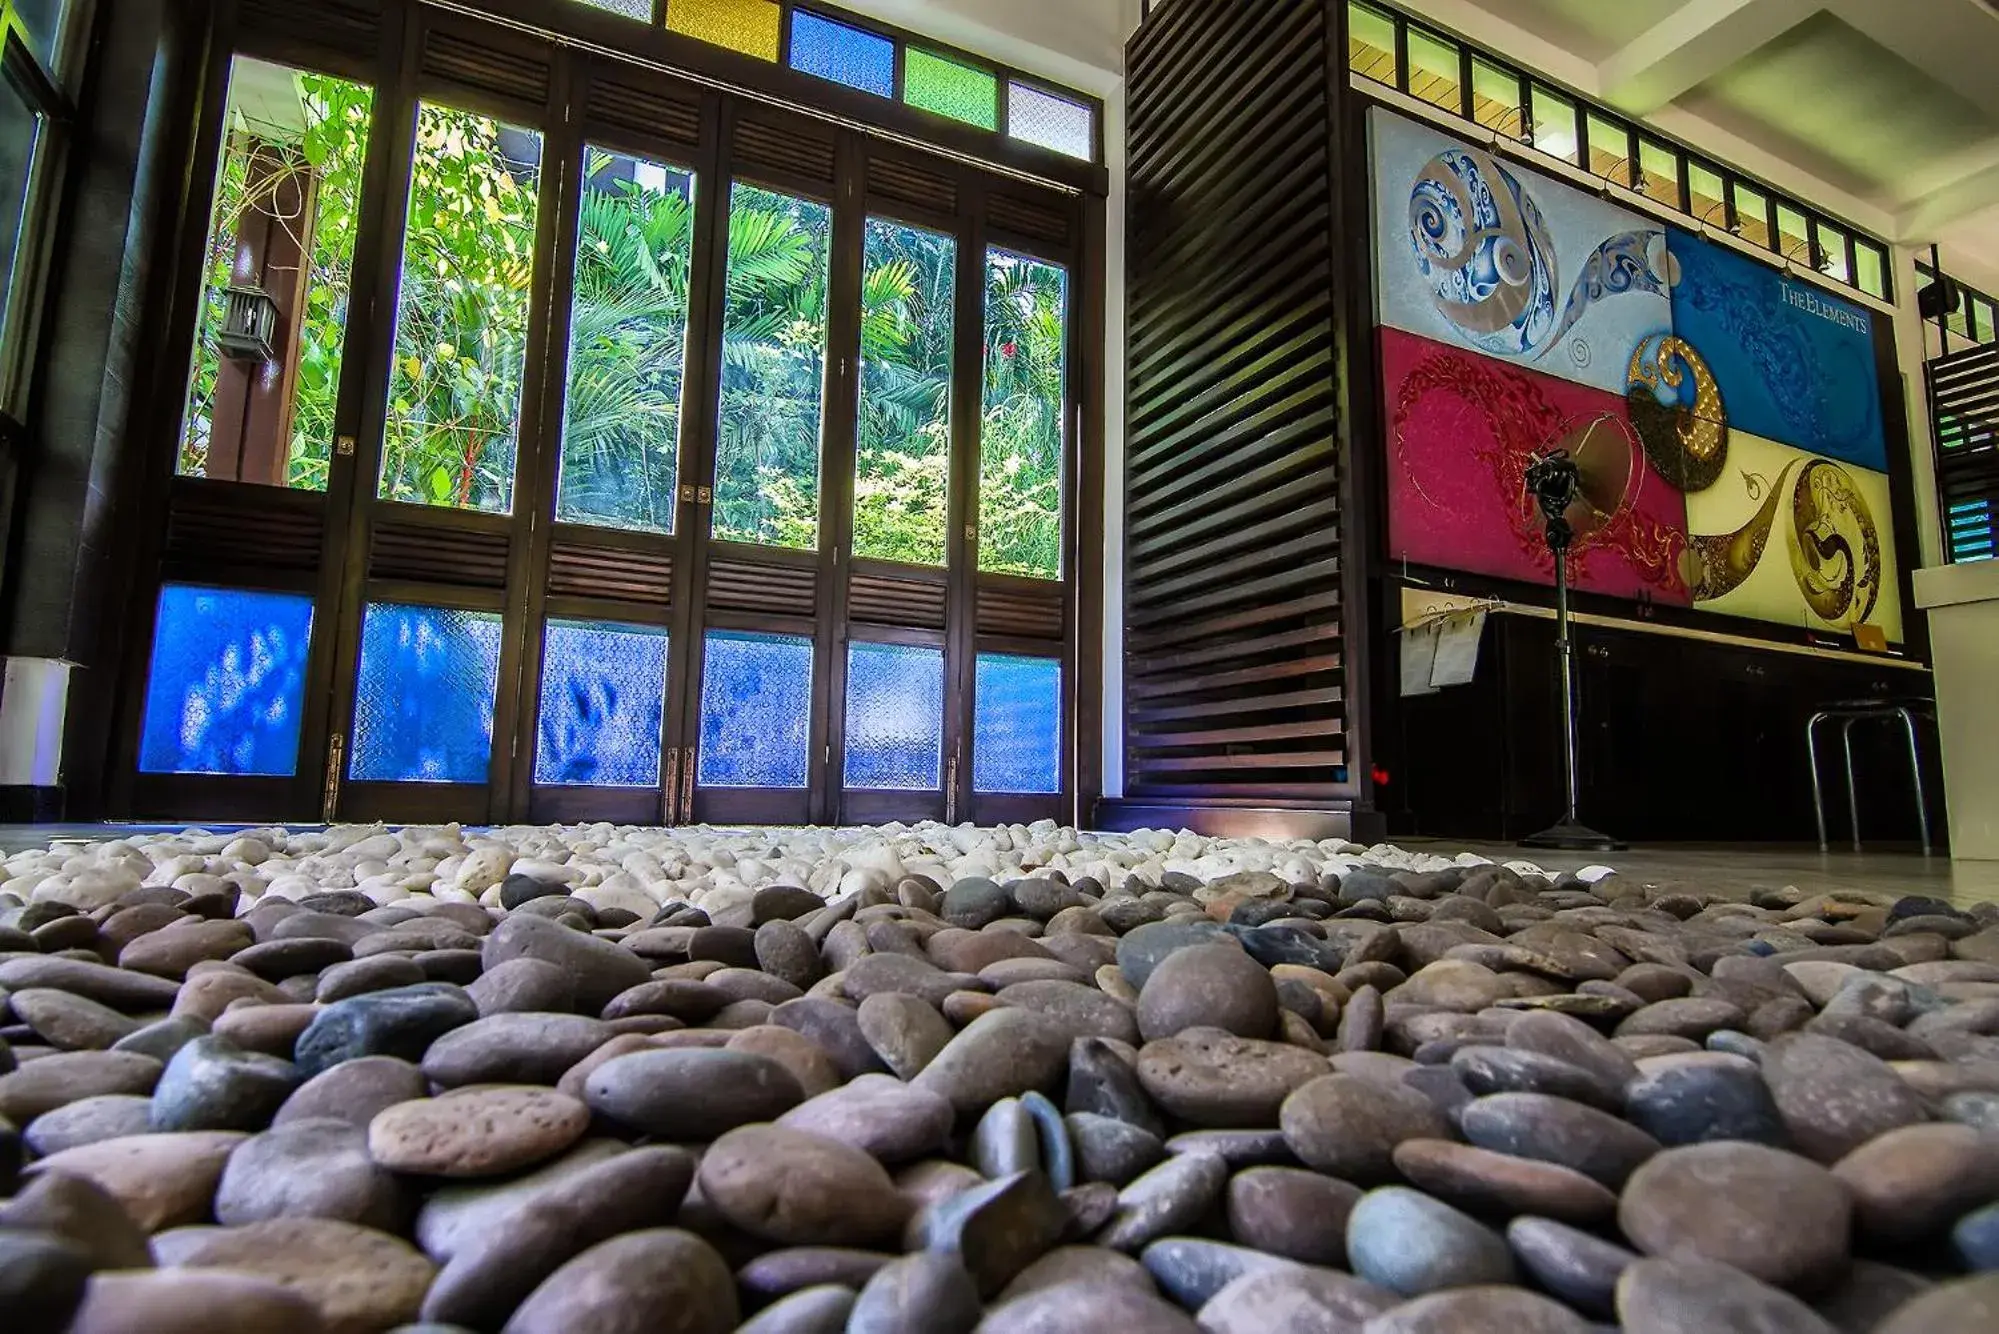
{"points": [[1236, 675]]}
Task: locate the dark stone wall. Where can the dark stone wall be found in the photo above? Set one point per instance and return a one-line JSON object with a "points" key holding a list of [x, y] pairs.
{"points": [[74, 521]]}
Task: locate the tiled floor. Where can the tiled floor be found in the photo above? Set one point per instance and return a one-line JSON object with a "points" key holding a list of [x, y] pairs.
{"points": [[1750, 866], [1768, 866]]}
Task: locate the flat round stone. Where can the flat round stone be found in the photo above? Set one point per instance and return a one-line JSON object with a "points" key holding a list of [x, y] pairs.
{"points": [[1776, 1216], [1217, 1080], [476, 1132]]}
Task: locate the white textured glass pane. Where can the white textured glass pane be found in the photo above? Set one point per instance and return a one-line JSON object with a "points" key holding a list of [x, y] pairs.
{"points": [[1017, 725], [756, 710], [1052, 122], [603, 702], [895, 717], [631, 9], [423, 708]]}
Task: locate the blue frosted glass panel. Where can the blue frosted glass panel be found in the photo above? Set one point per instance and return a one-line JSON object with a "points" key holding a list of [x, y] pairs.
{"points": [[1017, 725], [423, 707], [1052, 122], [895, 717], [603, 700], [756, 710], [228, 675], [843, 54]]}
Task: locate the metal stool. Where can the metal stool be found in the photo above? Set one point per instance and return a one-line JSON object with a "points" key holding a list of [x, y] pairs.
{"points": [[1846, 714]]}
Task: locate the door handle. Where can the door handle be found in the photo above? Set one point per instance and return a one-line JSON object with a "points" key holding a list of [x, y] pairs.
{"points": [[669, 799], [687, 785]]}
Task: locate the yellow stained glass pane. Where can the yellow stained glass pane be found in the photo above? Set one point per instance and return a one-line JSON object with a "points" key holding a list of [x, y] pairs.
{"points": [[749, 26]]}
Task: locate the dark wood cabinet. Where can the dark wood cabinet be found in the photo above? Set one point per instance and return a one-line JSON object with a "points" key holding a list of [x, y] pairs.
{"points": [[1680, 739]]}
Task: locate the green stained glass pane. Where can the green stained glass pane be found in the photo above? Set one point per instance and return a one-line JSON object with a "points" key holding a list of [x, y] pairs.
{"points": [[950, 89], [749, 26]]}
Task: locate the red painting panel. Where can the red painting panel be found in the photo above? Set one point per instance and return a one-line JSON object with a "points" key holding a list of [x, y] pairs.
{"points": [[1462, 430]]}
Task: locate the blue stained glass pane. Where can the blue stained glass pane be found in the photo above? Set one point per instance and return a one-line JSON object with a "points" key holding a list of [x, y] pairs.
{"points": [[1017, 725], [756, 710], [603, 701], [843, 54], [227, 679], [423, 709], [895, 717]]}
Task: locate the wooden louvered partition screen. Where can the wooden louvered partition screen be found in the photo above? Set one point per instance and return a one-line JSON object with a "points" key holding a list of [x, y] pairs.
{"points": [[1235, 638], [1964, 399]]}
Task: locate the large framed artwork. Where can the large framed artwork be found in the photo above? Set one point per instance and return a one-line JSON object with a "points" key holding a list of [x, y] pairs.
{"points": [[1726, 415]]}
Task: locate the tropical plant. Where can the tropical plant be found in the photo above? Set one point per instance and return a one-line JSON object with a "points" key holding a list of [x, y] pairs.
{"points": [[463, 317]]}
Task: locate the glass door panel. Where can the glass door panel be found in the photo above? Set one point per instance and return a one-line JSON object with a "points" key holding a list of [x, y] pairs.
{"points": [[766, 487], [627, 344], [1021, 433], [603, 705], [902, 464], [462, 313], [895, 718], [424, 695], [265, 383], [227, 684], [1017, 725]]}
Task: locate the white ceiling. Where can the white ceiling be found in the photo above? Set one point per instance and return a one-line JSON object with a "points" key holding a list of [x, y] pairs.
{"points": [[1885, 112]]}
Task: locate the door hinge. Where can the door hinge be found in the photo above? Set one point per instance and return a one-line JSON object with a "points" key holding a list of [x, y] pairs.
{"points": [[343, 445], [336, 752]]}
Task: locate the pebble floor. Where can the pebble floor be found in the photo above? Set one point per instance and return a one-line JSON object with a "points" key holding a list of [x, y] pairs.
{"points": [[930, 1080]]}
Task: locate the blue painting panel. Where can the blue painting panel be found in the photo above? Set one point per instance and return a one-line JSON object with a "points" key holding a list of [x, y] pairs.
{"points": [[423, 699], [895, 717], [1017, 724], [756, 710], [1475, 252], [845, 55], [603, 705], [1793, 364], [227, 680]]}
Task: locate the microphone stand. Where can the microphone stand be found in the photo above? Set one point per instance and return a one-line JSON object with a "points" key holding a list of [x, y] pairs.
{"points": [[1556, 481]]}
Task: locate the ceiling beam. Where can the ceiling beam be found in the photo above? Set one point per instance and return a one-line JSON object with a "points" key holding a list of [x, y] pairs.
{"points": [[1951, 41], [1697, 41], [1973, 188]]}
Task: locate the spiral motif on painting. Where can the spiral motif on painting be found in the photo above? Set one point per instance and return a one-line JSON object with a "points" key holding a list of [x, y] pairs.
{"points": [[1675, 404], [1483, 245], [1835, 547]]}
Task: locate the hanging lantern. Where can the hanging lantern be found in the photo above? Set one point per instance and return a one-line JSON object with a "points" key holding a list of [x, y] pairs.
{"points": [[249, 324]]}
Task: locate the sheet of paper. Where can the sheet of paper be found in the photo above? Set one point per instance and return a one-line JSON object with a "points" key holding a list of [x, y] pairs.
{"points": [[1419, 657], [1457, 650]]}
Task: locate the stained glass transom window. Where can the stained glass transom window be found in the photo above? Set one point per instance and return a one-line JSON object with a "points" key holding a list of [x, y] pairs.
{"points": [[756, 710], [950, 89], [603, 704], [227, 680], [1052, 122], [843, 54], [423, 706], [749, 26], [1017, 724], [895, 717]]}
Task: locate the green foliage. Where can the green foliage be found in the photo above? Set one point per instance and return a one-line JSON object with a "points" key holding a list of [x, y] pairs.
{"points": [[326, 156], [463, 318]]}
